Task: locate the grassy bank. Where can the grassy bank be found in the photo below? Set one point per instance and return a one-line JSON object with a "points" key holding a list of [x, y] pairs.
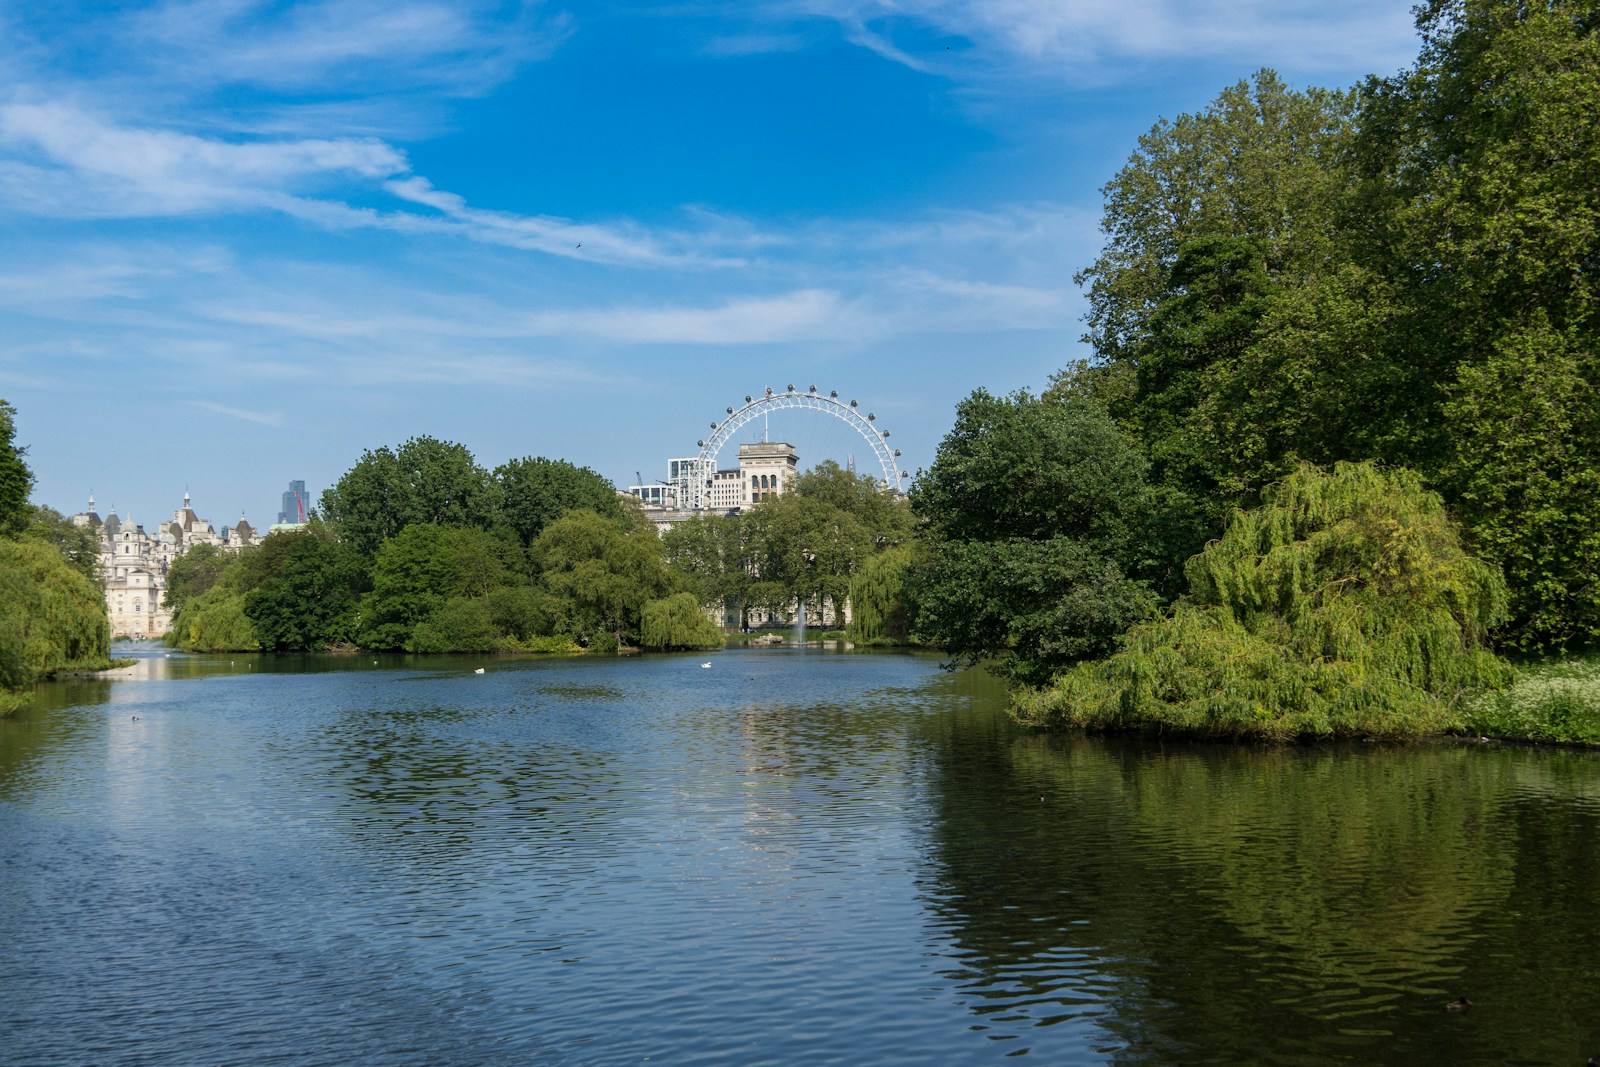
{"points": [[1548, 700]]}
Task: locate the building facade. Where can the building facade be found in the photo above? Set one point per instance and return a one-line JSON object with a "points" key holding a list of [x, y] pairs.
{"points": [[134, 563]]}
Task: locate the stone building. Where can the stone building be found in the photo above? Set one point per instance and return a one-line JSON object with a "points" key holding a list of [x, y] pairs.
{"points": [[134, 563]]}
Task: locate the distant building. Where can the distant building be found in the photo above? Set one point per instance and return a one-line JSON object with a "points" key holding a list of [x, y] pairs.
{"points": [[296, 505], [134, 563], [766, 469]]}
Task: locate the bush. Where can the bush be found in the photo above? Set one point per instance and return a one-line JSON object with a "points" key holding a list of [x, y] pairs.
{"points": [[1344, 605], [1550, 700]]}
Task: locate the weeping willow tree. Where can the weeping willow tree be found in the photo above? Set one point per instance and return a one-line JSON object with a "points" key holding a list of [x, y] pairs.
{"points": [[54, 617], [880, 599], [677, 622], [1344, 606]]}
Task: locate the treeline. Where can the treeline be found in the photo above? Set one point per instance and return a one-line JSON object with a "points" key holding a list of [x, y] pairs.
{"points": [[1346, 344], [419, 549], [55, 612]]}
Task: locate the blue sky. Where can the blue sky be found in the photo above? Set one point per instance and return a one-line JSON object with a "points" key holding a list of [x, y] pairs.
{"points": [[241, 242]]}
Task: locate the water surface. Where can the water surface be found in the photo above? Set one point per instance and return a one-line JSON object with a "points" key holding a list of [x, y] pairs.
{"points": [[786, 857]]}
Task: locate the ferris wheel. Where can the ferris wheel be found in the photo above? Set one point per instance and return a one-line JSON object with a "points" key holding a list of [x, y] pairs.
{"points": [[792, 399]]}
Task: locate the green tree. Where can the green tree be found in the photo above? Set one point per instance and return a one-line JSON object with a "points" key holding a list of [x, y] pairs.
{"points": [[881, 510], [712, 555], [1262, 163], [16, 480], [419, 570], [1343, 606], [535, 491], [80, 545], [192, 573], [883, 601], [804, 549], [54, 616], [1031, 514], [310, 599], [425, 480], [677, 622], [215, 620], [603, 575], [1479, 204]]}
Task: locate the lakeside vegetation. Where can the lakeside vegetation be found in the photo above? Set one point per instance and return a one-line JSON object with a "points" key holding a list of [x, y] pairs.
{"points": [[1386, 299], [55, 612]]}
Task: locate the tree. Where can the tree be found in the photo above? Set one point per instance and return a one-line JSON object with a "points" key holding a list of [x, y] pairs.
{"points": [[310, 599], [215, 620], [54, 616], [1344, 606], [677, 622], [883, 604], [423, 481], [80, 545], [1479, 204], [1261, 163], [16, 480], [419, 570], [804, 549], [881, 510], [1031, 514], [192, 573], [603, 575], [535, 491], [712, 555]]}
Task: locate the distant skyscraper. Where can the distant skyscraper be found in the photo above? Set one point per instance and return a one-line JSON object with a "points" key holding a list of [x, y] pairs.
{"points": [[296, 506]]}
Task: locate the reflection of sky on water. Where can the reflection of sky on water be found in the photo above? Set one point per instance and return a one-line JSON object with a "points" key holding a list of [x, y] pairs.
{"points": [[796, 855]]}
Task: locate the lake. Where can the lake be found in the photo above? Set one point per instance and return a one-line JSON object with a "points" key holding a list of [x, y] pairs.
{"points": [[787, 857]]}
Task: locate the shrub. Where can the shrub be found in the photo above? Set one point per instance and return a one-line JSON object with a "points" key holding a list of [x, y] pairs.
{"points": [[1344, 605]]}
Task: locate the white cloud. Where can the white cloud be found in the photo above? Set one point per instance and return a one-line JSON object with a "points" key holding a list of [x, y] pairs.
{"points": [[1081, 41], [260, 418], [94, 168], [376, 46]]}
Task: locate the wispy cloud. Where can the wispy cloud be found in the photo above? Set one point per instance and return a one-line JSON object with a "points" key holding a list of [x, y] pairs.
{"points": [[79, 165], [260, 418], [1081, 41], [375, 46]]}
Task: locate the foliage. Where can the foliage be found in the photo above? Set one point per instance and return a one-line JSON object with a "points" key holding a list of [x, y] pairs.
{"points": [[423, 481], [80, 545], [884, 514], [882, 599], [534, 492], [711, 554], [420, 569], [1023, 467], [803, 548], [1526, 477], [16, 480], [677, 622], [215, 620], [54, 616], [1548, 700], [1344, 605], [460, 624], [310, 599], [603, 576], [1031, 514], [192, 573]]}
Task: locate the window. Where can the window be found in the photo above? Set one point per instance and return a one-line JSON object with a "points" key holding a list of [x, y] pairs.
{"points": [[138, 605]]}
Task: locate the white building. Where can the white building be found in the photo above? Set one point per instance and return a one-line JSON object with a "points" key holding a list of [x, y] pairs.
{"points": [[134, 563], [766, 469]]}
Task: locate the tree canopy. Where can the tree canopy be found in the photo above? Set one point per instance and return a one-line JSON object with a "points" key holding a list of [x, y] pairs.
{"points": [[1343, 606], [1031, 514]]}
